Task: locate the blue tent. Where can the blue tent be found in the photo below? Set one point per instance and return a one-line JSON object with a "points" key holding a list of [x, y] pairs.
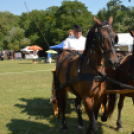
{"points": [[60, 46]]}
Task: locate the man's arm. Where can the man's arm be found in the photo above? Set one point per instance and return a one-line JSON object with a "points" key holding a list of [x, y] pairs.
{"points": [[66, 45]]}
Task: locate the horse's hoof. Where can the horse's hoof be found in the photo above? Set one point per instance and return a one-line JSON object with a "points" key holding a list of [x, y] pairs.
{"points": [[103, 118], [80, 127], [120, 129]]}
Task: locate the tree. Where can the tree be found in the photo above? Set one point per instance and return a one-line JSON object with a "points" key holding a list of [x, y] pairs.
{"points": [[69, 14], [25, 42], [55, 22], [122, 15], [14, 37], [8, 20], [37, 22]]}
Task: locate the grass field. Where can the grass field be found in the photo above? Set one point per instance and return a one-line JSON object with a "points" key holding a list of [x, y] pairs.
{"points": [[25, 108]]}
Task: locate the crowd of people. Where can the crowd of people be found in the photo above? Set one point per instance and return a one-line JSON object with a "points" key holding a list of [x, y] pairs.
{"points": [[4, 55]]}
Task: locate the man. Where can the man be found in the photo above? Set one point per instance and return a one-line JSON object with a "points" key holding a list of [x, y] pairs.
{"points": [[77, 42]]}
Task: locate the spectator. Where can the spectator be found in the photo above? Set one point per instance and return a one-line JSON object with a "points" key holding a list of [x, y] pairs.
{"points": [[35, 56]]}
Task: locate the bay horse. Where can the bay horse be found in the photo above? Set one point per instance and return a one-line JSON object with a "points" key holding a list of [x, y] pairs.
{"points": [[80, 74], [124, 74]]}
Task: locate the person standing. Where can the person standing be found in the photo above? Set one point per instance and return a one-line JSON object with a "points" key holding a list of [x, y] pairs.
{"points": [[35, 56]]}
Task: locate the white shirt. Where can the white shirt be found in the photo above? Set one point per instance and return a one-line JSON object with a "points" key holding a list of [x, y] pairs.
{"points": [[35, 56], [75, 44]]}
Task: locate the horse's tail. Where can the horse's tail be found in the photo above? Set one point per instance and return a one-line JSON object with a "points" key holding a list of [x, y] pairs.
{"points": [[111, 103]]}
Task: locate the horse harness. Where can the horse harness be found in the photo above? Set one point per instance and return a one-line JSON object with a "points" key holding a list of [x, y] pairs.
{"points": [[79, 77]]}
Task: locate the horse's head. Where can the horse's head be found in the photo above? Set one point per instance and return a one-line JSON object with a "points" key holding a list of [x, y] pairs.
{"points": [[103, 40]]}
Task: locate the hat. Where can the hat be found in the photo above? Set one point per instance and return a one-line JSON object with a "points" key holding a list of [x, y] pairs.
{"points": [[78, 28]]}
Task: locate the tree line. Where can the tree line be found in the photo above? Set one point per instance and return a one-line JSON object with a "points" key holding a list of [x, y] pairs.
{"points": [[53, 24]]}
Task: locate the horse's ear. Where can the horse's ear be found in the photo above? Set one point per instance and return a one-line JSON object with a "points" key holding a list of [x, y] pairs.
{"points": [[132, 33], [97, 21], [110, 21]]}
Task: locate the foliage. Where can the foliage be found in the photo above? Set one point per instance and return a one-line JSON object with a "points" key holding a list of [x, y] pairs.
{"points": [[55, 22], [14, 39], [123, 16], [25, 42], [69, 14], [7, 21], [50, 26]]}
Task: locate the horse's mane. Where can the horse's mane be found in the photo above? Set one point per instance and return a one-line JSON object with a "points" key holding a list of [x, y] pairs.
{"points": [[89, 39], [90, 35], [125, 58]]}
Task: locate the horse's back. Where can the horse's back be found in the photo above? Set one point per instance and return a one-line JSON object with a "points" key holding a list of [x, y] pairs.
{"points": [[63, 65]]}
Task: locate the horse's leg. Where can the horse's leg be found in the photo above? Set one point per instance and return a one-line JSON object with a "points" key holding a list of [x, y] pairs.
{"points": [[97, 105], [77, 106], [63, 106], [104, 112], [88, 102], [120, 105], [133, 99]]}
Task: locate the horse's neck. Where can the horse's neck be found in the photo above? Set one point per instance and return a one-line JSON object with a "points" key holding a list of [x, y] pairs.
{"points": [[97, 60], [93, 56]]}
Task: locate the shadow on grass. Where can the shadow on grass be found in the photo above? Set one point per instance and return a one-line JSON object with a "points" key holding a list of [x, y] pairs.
{"points": [[38, 107], [41, 110], [41, 107], [17, 126]]}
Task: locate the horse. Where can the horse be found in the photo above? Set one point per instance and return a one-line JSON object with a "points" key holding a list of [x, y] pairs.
{"points": [[84, 75], [125, 74]]}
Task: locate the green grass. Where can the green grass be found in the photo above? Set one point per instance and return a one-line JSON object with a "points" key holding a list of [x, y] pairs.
{"points": [[25, 107]]}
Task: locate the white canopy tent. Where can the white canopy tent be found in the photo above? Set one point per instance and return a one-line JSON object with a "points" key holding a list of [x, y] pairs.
{"points": [[26, 49], [125, 42], [28, 53]]}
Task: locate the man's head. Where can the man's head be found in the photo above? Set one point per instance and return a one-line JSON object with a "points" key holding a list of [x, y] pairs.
{"points": [[77, 31], [70, 33]]}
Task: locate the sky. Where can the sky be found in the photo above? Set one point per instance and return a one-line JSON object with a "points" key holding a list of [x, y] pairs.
{"points": [[17, 7]]}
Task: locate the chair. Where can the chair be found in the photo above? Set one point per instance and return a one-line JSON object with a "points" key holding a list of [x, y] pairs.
{"points": [[39, 59]]}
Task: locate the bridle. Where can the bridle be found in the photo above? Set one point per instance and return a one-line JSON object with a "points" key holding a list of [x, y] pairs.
{"points": [[111, 37]]}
